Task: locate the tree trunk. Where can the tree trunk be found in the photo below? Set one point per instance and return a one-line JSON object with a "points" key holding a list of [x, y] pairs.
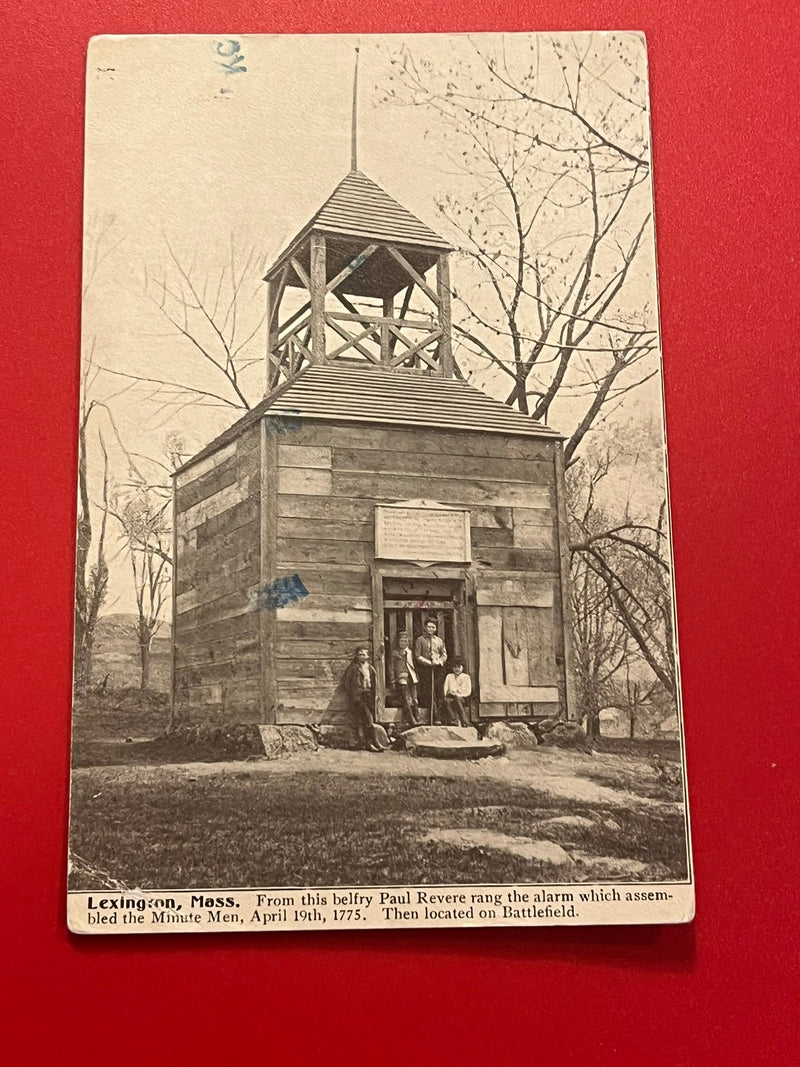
{"points": [[592, 707], [86, 660], [144, 653], [82, 672]]}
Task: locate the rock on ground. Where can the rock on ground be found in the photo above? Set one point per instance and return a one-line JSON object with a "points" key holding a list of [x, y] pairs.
{"points": [[279, 741], [566, 822], [227, 739], [610, 866], [525, 847], [511, 734], [561, 734]]}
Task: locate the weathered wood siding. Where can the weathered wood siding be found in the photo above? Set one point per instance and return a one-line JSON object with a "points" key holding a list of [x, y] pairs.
{"points": [[331, 476], [216, 654]]}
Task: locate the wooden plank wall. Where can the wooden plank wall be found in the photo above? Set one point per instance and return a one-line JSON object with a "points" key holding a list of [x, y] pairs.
{"points": [[330, 478], [216, 632]]}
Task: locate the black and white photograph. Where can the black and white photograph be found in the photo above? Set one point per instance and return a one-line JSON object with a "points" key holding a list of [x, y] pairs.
{"points": [[374, 602]]}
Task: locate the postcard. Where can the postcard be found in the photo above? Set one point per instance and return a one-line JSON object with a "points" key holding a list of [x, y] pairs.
{"points": [[374, 619]]}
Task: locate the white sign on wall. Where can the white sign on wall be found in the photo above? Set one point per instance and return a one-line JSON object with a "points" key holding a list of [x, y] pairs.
{"points": [[418, 531]]}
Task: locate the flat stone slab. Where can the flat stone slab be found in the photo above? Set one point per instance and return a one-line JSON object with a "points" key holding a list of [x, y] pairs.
{"points": [[527, 848], [419, 734], [448, 742]]}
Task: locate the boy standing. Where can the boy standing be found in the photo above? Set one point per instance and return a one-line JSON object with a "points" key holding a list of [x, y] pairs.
{"points": [[457, 691], [403, 675], [431, 654], [359, 682]]}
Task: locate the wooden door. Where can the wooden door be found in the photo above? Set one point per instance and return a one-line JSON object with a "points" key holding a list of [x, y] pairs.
{"points": [[518, 642]]}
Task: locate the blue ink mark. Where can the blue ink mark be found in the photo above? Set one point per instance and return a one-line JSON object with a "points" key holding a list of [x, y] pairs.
{"points": [[287, 423], [232, 68], [230, 50], [281, 592], [220, 46]]}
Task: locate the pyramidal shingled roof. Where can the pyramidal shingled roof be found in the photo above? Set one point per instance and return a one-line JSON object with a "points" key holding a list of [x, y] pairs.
{"points": [[363, 394], [358, 207]]}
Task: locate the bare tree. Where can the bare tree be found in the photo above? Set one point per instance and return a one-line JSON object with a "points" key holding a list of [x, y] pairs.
{"points": [[628, 558], [143, 517], [91, 579], [633, 563], [553, 219], [551, 205], [601, 640], [638, 695], [217, 315], [139, 506]]}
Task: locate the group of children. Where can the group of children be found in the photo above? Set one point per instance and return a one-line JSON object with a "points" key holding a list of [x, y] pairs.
{"points": [[428, 693]]}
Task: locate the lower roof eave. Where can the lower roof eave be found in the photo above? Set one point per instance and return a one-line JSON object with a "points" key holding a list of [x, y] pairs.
{"points": [[545, 432], [253, 418]]}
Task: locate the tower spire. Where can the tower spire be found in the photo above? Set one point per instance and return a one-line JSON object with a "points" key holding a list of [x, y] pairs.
{"points": [[354, 127]]}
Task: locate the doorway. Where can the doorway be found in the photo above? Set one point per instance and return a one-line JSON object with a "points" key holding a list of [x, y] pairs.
{"points": [[407, 604]]}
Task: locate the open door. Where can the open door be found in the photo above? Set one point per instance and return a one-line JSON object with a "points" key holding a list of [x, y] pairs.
{"points": [[407, 603]]}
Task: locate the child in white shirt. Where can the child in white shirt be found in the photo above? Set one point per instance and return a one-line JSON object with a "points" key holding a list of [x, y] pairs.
{"points": [[457, 691]]}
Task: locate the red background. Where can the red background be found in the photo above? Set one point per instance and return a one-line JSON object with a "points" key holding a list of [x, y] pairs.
{"points": [[724, 97]]}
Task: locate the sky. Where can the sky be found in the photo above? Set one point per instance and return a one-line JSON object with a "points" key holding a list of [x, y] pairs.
{"points": [[181, 152]]}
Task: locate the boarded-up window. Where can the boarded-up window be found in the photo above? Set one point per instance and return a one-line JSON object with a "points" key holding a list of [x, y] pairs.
{"points": [[517, 640]]}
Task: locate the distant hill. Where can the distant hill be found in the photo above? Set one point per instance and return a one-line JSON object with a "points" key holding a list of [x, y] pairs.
{"points": [[116, 654]]}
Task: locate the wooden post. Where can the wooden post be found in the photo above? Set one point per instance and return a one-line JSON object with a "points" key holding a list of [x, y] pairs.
{"points": [[378, 648], [472, 644], [272, 336], [319, 284], [564, 598], [388, 313], [445, 321], [268, 550]]}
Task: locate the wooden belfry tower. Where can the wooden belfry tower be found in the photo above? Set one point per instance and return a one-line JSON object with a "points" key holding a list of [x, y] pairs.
{"points": [[370, 491], [359, 262]]}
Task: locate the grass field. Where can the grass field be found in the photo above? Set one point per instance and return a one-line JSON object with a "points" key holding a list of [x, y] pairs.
{"points": [[142, 816]]}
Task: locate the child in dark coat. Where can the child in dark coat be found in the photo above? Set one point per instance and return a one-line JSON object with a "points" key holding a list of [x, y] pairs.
{"points": [[360, 682]]}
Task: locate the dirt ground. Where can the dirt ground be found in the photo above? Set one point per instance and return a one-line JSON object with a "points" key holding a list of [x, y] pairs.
{"points": [[331, 817], [562, 774], [146, 814]]}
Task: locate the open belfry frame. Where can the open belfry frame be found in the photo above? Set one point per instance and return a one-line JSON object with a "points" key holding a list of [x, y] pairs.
{"points": [[359, 263]]}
